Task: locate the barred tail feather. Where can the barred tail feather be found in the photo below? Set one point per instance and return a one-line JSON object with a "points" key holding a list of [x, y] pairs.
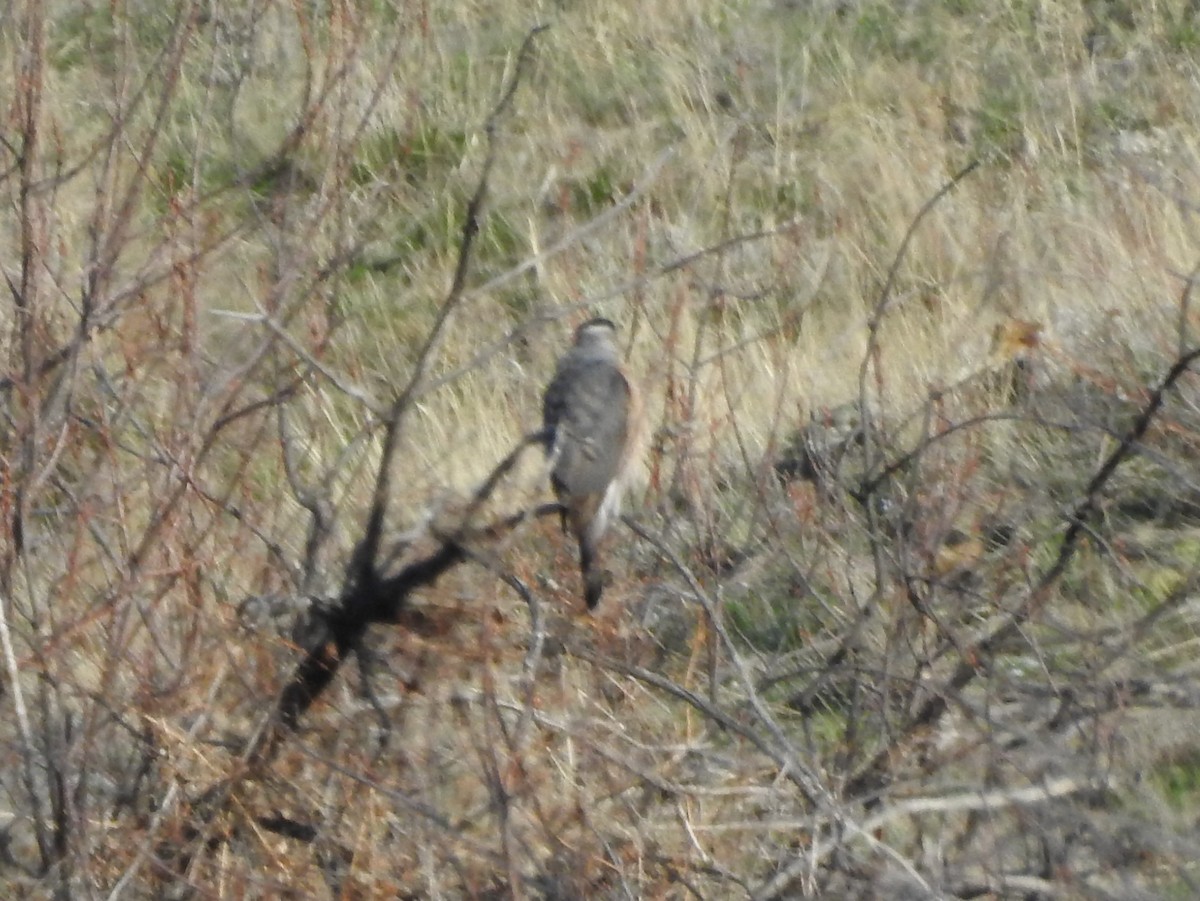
{"points": [[593, 576]]}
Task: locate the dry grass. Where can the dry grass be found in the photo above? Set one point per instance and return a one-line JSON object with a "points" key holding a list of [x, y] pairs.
{"points": [[731, 183]]}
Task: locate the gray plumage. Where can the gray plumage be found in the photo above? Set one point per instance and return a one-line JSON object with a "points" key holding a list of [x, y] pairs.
{"points": [[587, 415]]}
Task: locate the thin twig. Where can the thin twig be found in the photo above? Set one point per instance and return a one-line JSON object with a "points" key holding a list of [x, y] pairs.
{"points": [[368, 553]]}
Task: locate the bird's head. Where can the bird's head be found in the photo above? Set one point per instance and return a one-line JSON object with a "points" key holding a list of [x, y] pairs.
{"points": [[596, 332]]}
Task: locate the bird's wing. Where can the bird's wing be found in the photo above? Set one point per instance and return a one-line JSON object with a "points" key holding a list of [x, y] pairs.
{"points": [[587, 409]]}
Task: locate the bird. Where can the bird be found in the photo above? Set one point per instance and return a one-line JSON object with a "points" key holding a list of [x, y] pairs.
{"points": [[590, 416]]}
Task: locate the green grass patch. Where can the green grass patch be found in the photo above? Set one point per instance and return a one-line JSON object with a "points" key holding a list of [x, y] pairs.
{"points": [[1179, 780], [92, 36], [418, 155]]}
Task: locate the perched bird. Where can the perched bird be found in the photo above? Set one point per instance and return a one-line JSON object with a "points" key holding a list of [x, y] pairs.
{"points": [[590, 414]]}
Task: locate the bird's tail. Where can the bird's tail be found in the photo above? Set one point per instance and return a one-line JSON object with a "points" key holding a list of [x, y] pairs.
{"points": [[593, 575], [586, 518]]}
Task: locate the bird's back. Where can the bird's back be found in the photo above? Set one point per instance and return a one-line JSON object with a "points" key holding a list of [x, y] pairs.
{"points": [[586, 412]]}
